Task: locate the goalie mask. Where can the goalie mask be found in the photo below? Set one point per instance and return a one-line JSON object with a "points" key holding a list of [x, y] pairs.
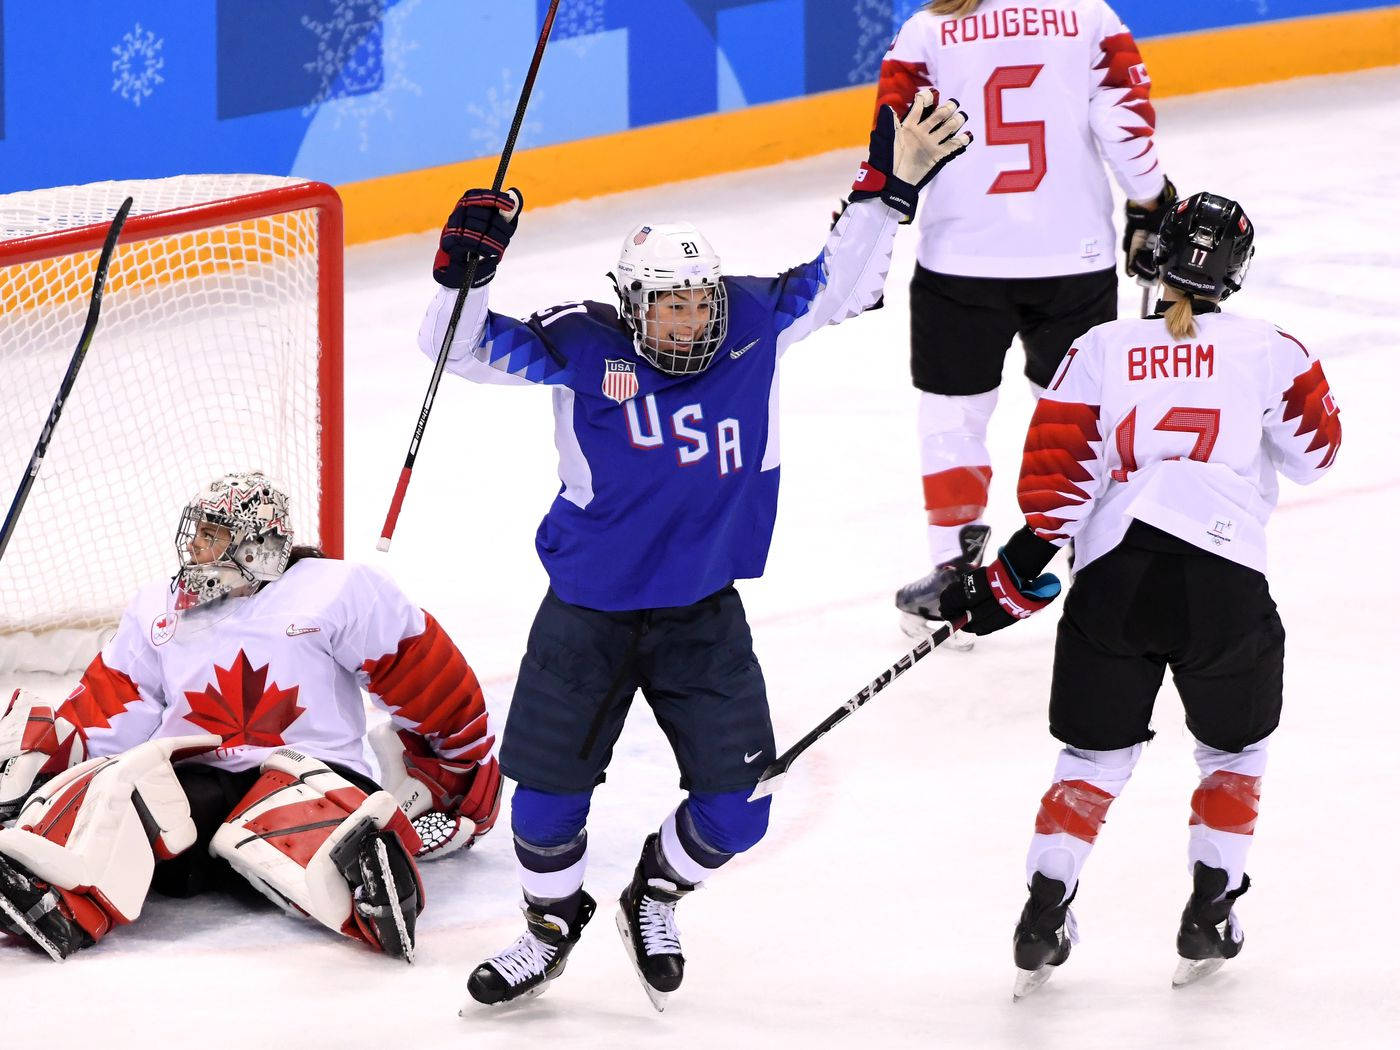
{"points": [[672, 298], [235, 534], [1204, 246]]}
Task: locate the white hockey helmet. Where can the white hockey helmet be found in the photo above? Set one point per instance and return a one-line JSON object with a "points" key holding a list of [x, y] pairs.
{"points": [[254, 513], [671, 257]]}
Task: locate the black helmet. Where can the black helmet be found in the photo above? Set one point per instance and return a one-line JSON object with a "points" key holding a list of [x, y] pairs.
{"points": [[1204, 246]]}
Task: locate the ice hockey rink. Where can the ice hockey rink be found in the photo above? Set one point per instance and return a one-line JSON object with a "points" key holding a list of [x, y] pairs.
{"points": [[879, 910]]}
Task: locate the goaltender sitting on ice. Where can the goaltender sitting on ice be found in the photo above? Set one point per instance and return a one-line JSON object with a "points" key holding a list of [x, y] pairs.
{"points": [[218, 739]]}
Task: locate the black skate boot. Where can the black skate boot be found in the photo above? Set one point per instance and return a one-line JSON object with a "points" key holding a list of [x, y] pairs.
{"points": [[29, 910], [526, 968], [387, 896], [646, 920], [1210, 933], [918, 601], [1043, 935]]}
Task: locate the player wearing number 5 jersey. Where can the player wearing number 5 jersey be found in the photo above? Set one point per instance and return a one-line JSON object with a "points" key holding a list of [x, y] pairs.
{"points": [[1026, 244], [1156, 449]]}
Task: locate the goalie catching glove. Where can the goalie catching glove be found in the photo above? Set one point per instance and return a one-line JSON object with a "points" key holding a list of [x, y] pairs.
{"points": [[906, 154], [480, 227], [450, 803], [995, 596]]}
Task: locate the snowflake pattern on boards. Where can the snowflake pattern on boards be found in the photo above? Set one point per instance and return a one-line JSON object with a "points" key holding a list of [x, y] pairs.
{"points": [[493, 120], [578, 21], [136, 69], [877, 30], [360, 59], [242, 708]]}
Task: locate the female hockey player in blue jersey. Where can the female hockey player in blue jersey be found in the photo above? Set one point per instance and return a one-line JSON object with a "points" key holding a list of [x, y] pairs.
{"points": [[666, 427]]}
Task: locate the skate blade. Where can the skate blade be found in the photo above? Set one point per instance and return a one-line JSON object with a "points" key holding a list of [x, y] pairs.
{"points": [[1189, 971], [30, 930], [624, 930], [472, 1005], [915, 626], [393, 893], [1028, 981]]}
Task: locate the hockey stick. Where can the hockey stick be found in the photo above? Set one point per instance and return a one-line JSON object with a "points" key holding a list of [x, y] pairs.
{"points": [[772, 777], [99, 280], [396, 504]]}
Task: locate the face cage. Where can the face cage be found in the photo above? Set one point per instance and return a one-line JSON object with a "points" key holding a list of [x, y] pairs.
{"points": [[210, 581], [688, 358]]}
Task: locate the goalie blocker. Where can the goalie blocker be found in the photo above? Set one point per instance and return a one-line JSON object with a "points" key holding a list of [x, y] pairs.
{"points": [[83, 853]]}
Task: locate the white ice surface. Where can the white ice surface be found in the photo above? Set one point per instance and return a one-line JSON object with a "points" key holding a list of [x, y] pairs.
{"points": [[879, 909]]}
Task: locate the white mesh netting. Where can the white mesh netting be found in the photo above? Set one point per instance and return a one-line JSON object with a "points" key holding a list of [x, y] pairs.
{"points": [[206, 360]]}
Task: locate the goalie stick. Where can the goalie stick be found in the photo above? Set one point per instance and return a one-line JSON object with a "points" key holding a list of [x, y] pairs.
{"points": [[99, 280], [772, 777], [396, 504]]}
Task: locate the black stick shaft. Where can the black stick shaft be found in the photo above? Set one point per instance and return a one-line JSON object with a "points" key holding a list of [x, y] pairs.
{"points": [[99, 280], [767, 783], [396, 504]]}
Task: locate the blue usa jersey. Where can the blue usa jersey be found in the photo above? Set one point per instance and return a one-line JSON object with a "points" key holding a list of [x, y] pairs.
{"points": [[669, 483]]}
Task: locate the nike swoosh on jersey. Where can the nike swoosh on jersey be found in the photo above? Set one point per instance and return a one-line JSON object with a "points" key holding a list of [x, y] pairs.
{"points": [[736, 354], [293, 630]]}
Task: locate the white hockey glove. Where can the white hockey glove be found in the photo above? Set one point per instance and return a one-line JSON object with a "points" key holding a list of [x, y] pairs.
{"points": [[905, 155], [451, 804], [35, 746]]}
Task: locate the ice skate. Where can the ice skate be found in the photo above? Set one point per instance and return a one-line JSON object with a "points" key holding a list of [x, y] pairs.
{"points": [[527, 967], [29, 910], [918, 601], [1210, 931], [1044, 935], [646, 921], [386, 896]]}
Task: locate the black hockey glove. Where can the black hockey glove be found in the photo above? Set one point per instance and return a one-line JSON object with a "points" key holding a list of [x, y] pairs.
{"points": [[993, 596], [480, 227], [906, 154], [1140, 233]]}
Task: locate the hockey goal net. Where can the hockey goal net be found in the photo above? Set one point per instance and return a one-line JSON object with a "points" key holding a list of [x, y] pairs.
{"points": [[218, 349]]}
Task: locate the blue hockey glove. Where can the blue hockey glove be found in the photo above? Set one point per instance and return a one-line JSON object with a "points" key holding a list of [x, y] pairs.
{"points": [[480, 227], [906, 154], [993, 596]]}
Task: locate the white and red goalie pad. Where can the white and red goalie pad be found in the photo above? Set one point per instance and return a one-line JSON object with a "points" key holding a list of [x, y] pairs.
{"points": [[95, 832], [34, 742], [283, 834]]}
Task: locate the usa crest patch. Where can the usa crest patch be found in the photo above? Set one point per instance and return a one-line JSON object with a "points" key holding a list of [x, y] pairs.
{"points": [[619, 379]]}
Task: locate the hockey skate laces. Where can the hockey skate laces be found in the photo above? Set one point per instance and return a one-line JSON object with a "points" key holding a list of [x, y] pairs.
{"points": [[527, 957], [657, 918]]}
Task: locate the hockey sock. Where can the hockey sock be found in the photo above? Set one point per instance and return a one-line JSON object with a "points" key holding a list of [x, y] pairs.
{"points": [[1073, 810], [955, 464], [682, 856], [552, 876], [1225, 806]]}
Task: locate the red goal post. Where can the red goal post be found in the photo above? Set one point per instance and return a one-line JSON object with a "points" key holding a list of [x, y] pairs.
{"points": [[220, 348]]}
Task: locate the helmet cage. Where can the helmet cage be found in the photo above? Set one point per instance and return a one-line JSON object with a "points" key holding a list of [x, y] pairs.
{"points": [[1205, 246], [660, 260], [255, 515]]}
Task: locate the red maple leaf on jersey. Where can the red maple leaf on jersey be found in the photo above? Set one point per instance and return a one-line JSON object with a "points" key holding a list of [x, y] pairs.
{"points": [[240, 707]]}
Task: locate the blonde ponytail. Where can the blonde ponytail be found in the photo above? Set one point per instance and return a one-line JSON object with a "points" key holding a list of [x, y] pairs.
{"points": [[956, 8], [1181, 319]]}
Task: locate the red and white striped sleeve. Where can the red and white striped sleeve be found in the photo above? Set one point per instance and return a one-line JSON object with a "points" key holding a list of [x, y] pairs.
{"points": [[413, 670], [905, 69], [119, 701], [1062, 466], [1120, 110], [1303, 428]]}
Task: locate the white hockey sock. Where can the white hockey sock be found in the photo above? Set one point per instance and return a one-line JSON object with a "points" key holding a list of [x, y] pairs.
{"points": [[1224, 808], [955, 464]]}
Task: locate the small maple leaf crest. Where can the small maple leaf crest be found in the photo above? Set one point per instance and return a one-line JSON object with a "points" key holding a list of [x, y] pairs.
{"points": [[242, 708]]}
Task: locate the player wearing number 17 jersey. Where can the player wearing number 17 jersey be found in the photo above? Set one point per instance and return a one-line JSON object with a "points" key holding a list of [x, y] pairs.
{"points": [[1026, 244], [1156, 449]]}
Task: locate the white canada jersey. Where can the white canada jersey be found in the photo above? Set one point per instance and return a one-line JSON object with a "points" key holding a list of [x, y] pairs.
{"points": [[1185, 435], [282, 667], [1051, 90]]}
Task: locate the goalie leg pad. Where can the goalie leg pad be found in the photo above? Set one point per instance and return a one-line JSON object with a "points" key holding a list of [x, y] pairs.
{"points": [[82, 854], [317, 846]]}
